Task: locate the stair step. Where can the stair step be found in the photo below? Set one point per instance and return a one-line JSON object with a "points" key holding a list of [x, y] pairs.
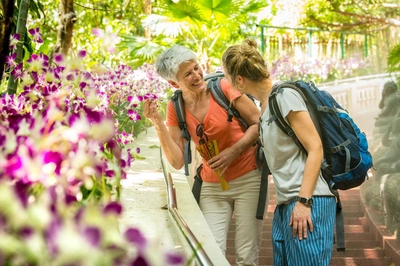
{"points": [[352, 202], [345, 197], [354, 214], [362, 253], [356, 221], [353, 244], [351, 208], [356, 228], [349, 192], [361, 262]]}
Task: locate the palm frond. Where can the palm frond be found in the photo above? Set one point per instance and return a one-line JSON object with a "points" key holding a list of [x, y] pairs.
{"points": [[158, 25], [215, 9], [394, 59]]}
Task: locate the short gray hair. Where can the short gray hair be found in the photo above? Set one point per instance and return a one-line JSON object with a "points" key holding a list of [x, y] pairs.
{"points": [[168, 62]]}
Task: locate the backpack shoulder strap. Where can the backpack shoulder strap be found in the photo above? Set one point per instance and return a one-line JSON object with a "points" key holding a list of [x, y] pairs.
{"points": [[214, 85], [276, 114], [180, 113]]}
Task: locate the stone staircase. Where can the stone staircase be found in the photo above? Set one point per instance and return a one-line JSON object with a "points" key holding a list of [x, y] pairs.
{"points": [[364, 246]]}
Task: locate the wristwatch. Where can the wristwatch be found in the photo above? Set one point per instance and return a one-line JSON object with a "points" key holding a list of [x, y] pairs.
{"points": [[306, 201]]}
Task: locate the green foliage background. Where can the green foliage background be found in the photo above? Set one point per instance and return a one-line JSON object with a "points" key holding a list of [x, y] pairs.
{"points": [[209, 26]]}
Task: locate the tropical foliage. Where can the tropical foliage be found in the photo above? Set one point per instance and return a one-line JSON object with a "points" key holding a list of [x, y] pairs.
{"points": [[378, 21], [354, 15], [205, 26], [394, 61]]}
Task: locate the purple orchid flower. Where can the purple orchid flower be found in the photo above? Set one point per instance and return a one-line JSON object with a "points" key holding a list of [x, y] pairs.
{"points": [[113, 207], [82, 54], [58, 58], [17, 72], [140, 261], [92, 235], [14, 41], [134, 236], [36, 35], [174, 259], [10, 60]]}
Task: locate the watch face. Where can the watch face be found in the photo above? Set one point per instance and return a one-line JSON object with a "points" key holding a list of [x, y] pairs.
{"points": [[306, 201], [310, 201]]}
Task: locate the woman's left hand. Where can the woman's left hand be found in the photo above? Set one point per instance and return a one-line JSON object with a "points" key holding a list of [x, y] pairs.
{"points": [[222, 160], [301, 220]]}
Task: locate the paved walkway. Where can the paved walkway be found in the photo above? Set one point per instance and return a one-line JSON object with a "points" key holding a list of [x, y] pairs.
{"points": [[144, 194]]}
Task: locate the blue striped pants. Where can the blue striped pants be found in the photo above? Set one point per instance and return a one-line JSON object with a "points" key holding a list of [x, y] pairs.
{"points": [[316, 249]]}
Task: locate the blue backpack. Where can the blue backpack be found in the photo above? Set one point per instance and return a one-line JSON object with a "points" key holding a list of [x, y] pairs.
{"points": [[346, 156]]}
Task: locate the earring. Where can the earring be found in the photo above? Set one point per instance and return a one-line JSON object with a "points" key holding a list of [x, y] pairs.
{"points": [[241, 87]]}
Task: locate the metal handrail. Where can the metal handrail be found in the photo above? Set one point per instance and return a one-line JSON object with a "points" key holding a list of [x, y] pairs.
{"points": [[195, 245]]}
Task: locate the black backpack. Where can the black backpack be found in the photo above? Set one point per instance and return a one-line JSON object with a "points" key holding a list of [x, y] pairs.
{"points": [[215, 88], [346, 156]]}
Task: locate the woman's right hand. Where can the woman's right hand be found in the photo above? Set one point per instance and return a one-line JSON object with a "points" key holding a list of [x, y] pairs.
{"points": [[151, 111]]}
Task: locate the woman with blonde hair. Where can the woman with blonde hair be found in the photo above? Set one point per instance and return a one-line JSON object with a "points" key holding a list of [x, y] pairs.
{"points": [[303, 224]]}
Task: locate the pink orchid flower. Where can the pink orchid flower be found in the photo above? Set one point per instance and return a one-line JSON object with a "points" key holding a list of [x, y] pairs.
{"points": [[36, 35], [109, 39], [14, 41]]}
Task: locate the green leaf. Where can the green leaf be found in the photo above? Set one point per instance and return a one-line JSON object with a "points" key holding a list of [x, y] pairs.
{"points": [[45, 48], [149, 51], [41, 7], [28, 42], [216, 9], [137, 156], [186, 11], [34, 8], [394, 59], [140, 47]]}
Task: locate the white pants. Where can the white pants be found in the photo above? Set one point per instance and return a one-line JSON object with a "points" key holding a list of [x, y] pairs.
{"points": [[242, 199]]}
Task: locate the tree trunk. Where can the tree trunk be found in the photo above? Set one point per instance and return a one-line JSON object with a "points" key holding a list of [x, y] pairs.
{"points": [[5, 32], [65, 28], [21, 30], [147, 11]]}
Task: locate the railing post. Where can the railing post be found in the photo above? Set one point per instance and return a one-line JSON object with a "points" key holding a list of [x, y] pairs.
{"points": [[262, 41], [342, 45], [310, 44]]}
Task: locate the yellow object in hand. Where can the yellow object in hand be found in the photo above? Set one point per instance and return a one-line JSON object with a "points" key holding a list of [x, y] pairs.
{"points": [[209, 150], [224, 184]]}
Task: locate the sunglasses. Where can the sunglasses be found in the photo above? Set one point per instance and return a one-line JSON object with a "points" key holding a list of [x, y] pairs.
{"points": [[200, 133]]}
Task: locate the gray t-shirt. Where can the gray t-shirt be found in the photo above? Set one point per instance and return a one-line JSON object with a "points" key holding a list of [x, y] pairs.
{"points": [[285, 159]]}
